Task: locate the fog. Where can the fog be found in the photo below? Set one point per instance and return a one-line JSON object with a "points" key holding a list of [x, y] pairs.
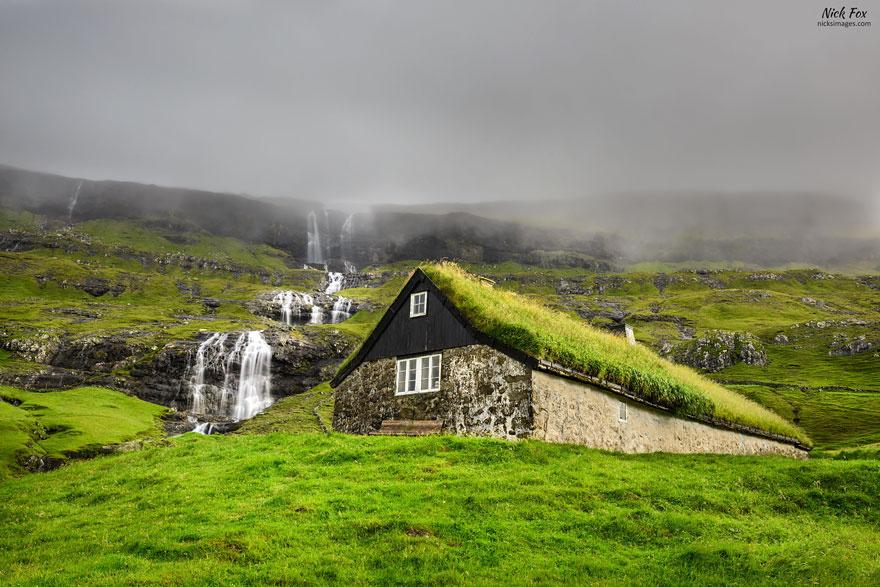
{"points": [[416, 102]]}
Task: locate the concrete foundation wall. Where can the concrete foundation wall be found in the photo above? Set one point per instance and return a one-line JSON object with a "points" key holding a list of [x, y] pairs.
{"points": [[482, 392], [578, 413]]}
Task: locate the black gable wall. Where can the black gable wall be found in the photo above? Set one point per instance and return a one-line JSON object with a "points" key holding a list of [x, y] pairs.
{"points": [[438, 329]]}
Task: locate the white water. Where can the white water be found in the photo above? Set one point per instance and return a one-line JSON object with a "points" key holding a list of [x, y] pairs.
{"points": [[203, 427], [315, 251], [341, 310], [335, 282], [245, 372], [291, 304], [73, 200], [317, 316], [255, 381]]}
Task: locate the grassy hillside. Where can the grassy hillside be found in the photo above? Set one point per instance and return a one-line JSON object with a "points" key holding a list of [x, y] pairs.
{"points": [[73, 423], [312, 509], [310, 412], [156, 280]]}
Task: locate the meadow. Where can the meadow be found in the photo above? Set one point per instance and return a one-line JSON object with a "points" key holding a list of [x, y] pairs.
{"points": [[315, 509]]}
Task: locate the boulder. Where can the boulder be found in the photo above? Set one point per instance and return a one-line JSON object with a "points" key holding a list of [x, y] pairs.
{"points": [[719, 349]]}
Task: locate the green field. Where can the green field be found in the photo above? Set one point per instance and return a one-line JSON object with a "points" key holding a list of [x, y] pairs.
{"points": [[74, 423], [313, 509]]}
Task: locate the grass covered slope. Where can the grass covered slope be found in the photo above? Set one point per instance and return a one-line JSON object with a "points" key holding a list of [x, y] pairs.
{"points": [[310, 411], [316, 509], [64, 424], [548, 334]]}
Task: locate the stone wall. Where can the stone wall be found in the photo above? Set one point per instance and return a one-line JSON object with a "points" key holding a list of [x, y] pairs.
{"points": [[578, 413], [482, 392]]}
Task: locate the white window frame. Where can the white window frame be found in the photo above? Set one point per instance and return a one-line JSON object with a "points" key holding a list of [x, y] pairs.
{"points": [[418, 374], [418, 299], [622, 412]]}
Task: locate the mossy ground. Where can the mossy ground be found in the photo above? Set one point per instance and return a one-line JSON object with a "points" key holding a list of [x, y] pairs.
{"points": [[307, 412], [317, 509], [69, 423]]}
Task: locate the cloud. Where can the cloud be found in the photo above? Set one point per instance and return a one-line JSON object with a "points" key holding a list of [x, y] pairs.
{"points": [[452, 101]]}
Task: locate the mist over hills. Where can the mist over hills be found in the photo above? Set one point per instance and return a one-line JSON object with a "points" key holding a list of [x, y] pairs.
{"points": [[764, 228]]}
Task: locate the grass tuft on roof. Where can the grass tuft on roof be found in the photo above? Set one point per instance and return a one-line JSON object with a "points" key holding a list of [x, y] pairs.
{"points": [[547, 334]]}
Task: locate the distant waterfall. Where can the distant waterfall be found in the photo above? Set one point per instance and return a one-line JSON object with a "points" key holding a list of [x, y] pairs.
{"points": [[341, 310], [294, 306], [73, 200], [291, 305], [335, 282], [345, 239], [231, 383], [315, 251]]}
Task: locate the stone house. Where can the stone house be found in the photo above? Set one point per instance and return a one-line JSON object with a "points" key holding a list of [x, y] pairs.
{"points": [[427, 368]]}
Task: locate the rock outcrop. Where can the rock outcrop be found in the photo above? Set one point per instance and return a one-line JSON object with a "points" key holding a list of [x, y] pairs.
{"points": [[719, 349]]}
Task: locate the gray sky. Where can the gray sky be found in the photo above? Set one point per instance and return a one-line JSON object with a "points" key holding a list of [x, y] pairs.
{"points": [[444, 100]]}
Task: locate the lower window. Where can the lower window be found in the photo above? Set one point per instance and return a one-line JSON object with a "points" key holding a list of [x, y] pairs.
{"points": [[418, 374]]}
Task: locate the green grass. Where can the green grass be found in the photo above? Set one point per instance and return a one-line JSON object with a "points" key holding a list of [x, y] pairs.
{"points": [[317, 509], [64, 424], [547, 334], [833, 419], [295, 414]]}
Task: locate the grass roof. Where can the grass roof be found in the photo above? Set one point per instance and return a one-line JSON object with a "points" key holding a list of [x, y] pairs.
{"points": [[543, 333]]}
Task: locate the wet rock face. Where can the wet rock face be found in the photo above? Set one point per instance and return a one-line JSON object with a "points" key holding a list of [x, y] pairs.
{"points": [[719, 349], [482, 392], [94, 353]]}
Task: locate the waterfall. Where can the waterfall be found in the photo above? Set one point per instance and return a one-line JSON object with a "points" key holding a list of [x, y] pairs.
{"points": [[255, 381], [234, 383], [341, 310], [73, 201], [349, 266], [345, 238], [203, 427], [292, 304], [315, 251], [335, 282]]}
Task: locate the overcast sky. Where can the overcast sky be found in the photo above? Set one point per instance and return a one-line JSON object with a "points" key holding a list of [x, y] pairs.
{"points": [[445, 100]]}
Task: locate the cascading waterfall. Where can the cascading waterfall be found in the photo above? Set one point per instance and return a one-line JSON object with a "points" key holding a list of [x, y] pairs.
{"points": [[293, 304], [255, 380], [315, 251], [73, 200], [341, 310], [345, 238], [335, 282], [235, 383]]}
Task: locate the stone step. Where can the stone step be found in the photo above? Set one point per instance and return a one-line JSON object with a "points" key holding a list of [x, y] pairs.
{"points": [[409, 427]]}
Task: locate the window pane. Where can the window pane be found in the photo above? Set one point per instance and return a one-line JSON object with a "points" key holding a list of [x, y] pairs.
{"points": [[425, 372], [435, 372], [418, 303], [401, 376], [411, 375]]}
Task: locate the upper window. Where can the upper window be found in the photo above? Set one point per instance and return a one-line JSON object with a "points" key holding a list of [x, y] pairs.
{"points": [[418, 375], [418, 304]]}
